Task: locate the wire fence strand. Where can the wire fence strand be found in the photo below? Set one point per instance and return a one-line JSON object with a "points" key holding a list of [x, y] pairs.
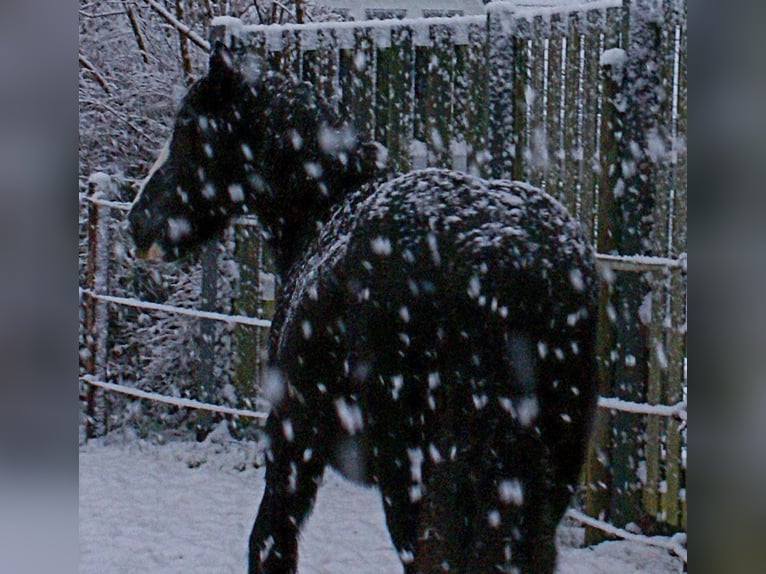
{"points": [[675, 543], [176, 401]]}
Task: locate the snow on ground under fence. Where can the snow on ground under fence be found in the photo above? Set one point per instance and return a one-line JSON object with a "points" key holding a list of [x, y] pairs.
{"points": [[524, 93], [188, 507]]}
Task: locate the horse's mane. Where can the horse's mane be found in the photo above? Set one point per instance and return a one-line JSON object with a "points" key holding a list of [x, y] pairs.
{"points": [[311, 152]]}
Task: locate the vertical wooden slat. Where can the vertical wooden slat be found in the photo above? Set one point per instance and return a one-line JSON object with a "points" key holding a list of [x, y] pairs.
{"points": [[272, 41], [439, 96], [607, 117], [642, 179], [590, 102], [461, 102], [291, 61], [394, 97], [205, 377], [555, 168], [384, 65], [327, 60], [522, 84], [477, 104], [598, 498], [247, 340], [658, 365], [679, 209], [346, 69], [311, 65], [572, 130], [674, 393], [536, 153], [660, 339], [422, 47], [358, 81], [673, 503], [507, 60]]}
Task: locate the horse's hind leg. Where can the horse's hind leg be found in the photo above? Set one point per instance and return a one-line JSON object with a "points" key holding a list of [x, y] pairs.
{"points": [[294, 469], [515, 522], [401, 503]]}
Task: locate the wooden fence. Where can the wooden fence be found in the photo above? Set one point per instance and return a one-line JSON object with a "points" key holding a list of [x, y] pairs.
{"points": [[589, 104]]}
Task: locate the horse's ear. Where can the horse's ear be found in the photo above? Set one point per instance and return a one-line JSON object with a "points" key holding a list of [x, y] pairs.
{"points": [[221, 65]]}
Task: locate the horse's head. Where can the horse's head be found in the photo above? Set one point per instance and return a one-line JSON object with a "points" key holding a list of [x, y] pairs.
{"points": [[247, 141]]}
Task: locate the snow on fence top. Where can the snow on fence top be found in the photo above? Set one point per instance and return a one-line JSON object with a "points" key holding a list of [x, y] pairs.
{"points": [[228, 26], [233, 27], [529, 9], [360, 10]]}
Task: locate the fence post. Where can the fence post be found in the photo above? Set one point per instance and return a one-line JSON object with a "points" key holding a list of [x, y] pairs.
{"points": [[209, 296], [248, 341], [630, 185], [100, 186], [598, 466], [641, 179]]}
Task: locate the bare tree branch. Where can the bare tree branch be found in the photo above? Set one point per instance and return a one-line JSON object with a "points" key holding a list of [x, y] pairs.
{"points": [[180, 26], [85, 63], [99, 14], [134, 24], [299, 14]]}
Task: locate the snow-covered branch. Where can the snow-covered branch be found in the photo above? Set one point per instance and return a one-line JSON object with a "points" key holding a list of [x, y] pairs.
{"points": [[180, 26], [85, 63]]}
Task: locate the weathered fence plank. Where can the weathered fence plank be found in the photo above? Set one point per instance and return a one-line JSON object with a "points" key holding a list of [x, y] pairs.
{"points": [[572, 123], [555, 105], [394, 97], [591, 107], [535, 158], [476, 126], [599, 479], [441, 70], [505, 99]]}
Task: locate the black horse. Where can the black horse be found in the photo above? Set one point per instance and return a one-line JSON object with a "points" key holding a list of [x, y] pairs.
{"points": [[433, 336]]}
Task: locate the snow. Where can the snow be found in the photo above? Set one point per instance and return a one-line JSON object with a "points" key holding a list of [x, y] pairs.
{"points": [[188, 507], [616, 57], [550, 6], [419, 25]]}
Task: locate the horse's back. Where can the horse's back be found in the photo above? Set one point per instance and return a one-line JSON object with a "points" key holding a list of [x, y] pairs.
{"points": [[440, 272]]}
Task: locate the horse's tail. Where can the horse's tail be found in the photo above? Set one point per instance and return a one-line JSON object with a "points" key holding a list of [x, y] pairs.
{"points": [[489, 481]]}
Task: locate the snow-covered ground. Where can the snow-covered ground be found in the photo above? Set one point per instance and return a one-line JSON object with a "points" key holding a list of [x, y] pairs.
{"points": [[188, 507]]}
